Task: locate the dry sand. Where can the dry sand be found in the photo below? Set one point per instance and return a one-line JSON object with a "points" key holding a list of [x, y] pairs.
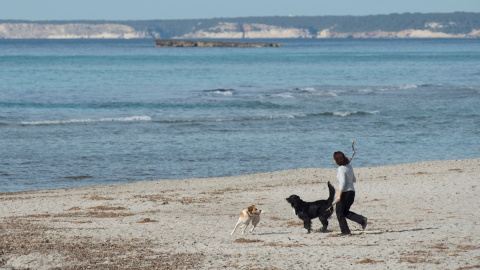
{"points": [[421, 215]]}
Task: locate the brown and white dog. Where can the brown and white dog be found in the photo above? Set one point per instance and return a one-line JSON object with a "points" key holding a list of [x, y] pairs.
{"points": [[249, 214]]}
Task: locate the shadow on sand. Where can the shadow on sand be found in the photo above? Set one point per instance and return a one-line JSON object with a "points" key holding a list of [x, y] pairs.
{"points": [[393, 231]]}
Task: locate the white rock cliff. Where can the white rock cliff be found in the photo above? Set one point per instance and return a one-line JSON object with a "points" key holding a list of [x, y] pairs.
{"points": [[68, 31], [226, 30], [234, 30]]}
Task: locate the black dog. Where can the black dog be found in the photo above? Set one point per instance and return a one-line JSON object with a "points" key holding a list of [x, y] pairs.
{"points": [[307, 211]]}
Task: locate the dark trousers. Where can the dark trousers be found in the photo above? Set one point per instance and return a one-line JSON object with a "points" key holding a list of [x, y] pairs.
{"points": [[343, 211]]}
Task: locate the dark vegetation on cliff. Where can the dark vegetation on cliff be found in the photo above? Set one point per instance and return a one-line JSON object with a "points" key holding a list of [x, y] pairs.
{"points": [[452, 23]]}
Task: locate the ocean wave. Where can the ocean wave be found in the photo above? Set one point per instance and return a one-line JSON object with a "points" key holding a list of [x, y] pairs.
{"points": [[431, 84], [221, 92], [372, 90], [193, 121], [312, 92], [329, 93], [197, 120], [281, 95], [305, 89], [324, 93], [239, 119], [469, 89], [87, 120], [267, 117], [399, 87], [345, 114], [366, 91], [94, 105], [204, 104]]}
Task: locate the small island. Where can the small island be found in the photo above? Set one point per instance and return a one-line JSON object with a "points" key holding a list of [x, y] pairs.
{"points": [[193, 43]]}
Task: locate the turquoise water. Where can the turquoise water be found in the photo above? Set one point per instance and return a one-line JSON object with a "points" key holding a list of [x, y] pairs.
{"points": [[92, 112]]}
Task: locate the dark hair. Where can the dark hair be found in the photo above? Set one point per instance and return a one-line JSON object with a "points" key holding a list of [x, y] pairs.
{"points": [[340, 158]]}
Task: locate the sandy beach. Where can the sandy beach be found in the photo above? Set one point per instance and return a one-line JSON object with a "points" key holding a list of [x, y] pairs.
{"points": [[420, 215]]}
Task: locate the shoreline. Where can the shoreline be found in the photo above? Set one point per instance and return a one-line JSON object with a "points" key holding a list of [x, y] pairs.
{"points": [[416, 212], [212, 178]]}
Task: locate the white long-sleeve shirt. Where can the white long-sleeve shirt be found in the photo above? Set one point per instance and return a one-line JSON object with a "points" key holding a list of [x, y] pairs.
{"points": [[346, 178]]}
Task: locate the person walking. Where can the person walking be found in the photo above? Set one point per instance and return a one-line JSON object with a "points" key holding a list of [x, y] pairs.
{"points": [[346, 194]]}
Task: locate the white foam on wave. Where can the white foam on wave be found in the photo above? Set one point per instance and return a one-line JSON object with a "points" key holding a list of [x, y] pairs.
{"points": [[221, 92], [400, 87], [324, 93], [366, 91], [345, 114], [282, 95], [329, 93], [227, 93], [307, 90], [88, 120], [407, 86]]}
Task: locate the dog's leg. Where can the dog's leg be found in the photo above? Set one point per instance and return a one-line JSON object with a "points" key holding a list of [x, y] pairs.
{"points": [[307, 224], [324, 223], [244, 228], [236, 225], [254, 223]]}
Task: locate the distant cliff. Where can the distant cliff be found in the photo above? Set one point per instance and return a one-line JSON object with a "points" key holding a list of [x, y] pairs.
{"points": [[407, 25], [68, 31], [227, 31]]}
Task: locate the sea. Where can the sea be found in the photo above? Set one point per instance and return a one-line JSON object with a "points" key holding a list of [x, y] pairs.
{"points": [[86, 112]]}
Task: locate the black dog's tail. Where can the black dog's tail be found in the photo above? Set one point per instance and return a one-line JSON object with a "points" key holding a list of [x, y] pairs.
{"points": [[332, 193]]}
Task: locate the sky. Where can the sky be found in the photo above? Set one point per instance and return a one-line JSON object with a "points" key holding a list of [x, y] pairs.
{"points": [[204, 9]]}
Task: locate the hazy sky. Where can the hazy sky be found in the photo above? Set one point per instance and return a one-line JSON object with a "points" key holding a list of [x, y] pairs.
{"points": [[195, 9]]}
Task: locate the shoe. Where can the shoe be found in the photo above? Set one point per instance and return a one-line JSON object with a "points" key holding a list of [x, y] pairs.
{"points": [[345, 234], [364, 223]]}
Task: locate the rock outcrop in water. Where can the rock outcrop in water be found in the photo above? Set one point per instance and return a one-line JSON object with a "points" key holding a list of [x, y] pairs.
{"points": [[193, 43]]}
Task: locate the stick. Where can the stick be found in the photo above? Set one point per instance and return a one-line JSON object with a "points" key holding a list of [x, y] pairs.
{"points": [[353, 149], [328, 209]]}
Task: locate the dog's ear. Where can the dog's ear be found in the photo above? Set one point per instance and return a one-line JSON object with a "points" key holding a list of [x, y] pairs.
{"points": [[250, 208]]}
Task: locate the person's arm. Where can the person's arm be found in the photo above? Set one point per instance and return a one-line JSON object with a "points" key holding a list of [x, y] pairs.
{"points": [[341, 183], [338, 196]]}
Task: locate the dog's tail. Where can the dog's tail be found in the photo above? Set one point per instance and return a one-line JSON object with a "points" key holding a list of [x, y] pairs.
{"points": [[332, 193]]}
